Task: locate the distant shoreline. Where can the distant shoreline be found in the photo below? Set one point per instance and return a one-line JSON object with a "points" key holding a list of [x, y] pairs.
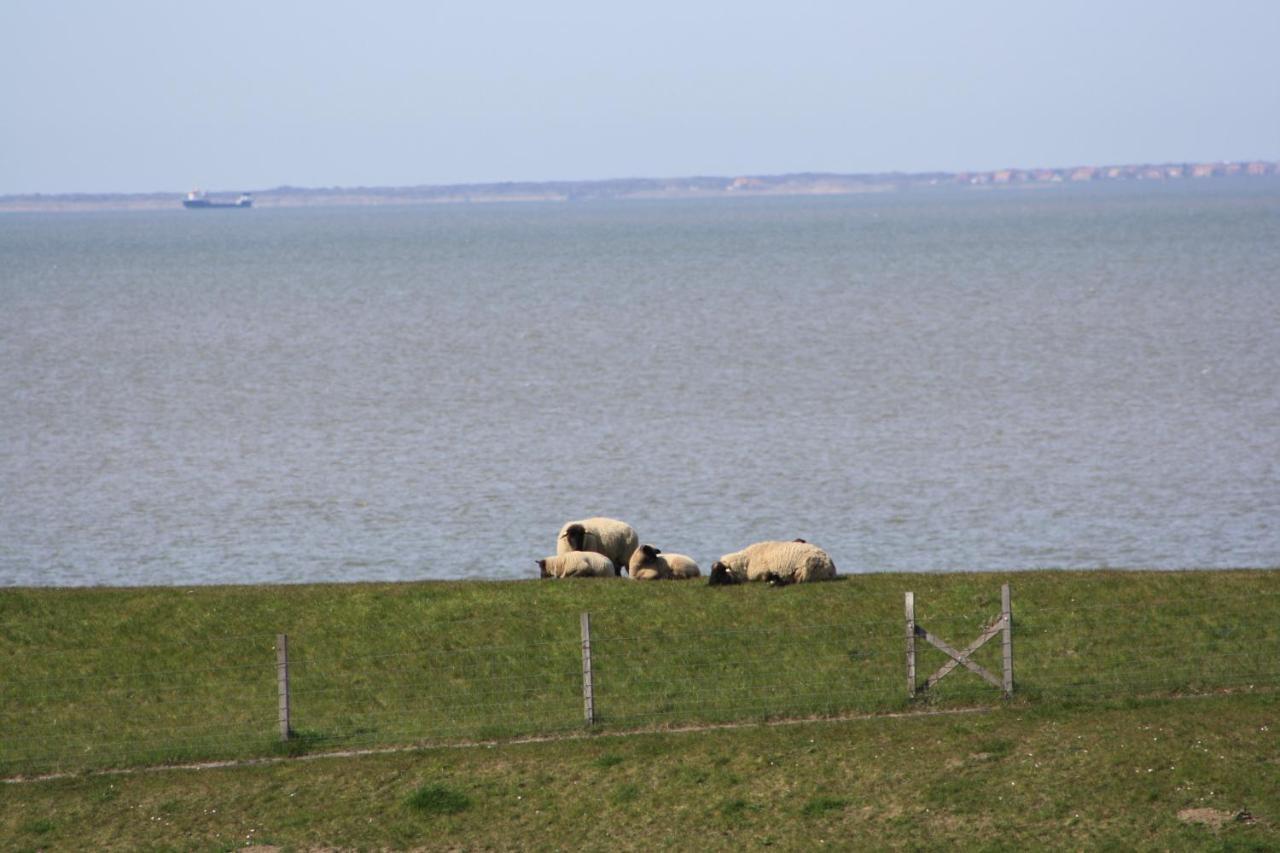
{"points": [[800, 184]]}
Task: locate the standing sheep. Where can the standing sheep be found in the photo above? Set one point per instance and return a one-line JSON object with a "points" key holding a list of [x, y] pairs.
{"points": [[577, 564], [617, 540], [775, 562], [649, 563]]}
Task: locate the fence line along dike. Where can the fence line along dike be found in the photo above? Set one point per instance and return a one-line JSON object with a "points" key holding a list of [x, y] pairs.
{"points": [[377, 666]]}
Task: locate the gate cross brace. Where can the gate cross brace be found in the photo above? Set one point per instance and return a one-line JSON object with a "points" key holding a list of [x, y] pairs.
{"points": [[962, 658]]}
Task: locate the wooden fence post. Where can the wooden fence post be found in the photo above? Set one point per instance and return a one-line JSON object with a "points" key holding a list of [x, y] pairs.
{"points": [[1006, 641], [282, 683], [588, 694], [911, 644]]}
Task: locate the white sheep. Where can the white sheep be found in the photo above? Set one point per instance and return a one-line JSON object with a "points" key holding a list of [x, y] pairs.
{"points": [[775, 562], [617, 540], [577, 564], [649, 563]]}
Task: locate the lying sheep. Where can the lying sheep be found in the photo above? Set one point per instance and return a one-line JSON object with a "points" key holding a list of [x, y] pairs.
{"points": [[577, 564], [617, 540], [777, 563], [649, 563]]}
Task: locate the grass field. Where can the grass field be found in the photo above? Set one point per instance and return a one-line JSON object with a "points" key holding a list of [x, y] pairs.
{"points": [[1138, 696], [1167, 774], [98, 678]]}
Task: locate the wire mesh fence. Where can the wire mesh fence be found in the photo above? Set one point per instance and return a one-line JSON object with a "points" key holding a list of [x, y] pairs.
{"points": [[523, 675]]}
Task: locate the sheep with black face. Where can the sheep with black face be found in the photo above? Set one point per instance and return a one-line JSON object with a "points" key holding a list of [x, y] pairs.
{"points": [[774, 562], [650, 563], [615, 539]]}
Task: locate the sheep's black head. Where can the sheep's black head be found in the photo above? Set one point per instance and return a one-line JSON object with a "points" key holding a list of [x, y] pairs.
{"points": [[720, 575], [574, 534], [646, 556], [542, 569], [801, 541]]}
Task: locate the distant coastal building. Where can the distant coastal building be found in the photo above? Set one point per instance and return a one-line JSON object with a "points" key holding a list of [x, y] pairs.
{"points": [[745, 184]]}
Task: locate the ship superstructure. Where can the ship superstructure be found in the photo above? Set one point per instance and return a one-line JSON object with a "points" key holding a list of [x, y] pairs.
{"points": [[199, 200]]}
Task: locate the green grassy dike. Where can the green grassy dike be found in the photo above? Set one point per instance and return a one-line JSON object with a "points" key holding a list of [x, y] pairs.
{"points": [[1139, 696], [1111, 777]]}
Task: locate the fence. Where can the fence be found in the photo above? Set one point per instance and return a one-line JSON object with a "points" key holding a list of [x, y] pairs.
{"points": [[751, 654], [1003, 625]]}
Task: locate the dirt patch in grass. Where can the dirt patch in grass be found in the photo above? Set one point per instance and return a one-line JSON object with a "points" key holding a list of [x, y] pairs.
{"points": [[1215, 818]]}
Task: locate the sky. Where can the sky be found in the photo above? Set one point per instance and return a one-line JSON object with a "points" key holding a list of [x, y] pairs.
{"points": [[134, 96]]}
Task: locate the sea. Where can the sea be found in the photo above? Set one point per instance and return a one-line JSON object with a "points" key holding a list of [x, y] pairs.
{"points": [[933, 380]]}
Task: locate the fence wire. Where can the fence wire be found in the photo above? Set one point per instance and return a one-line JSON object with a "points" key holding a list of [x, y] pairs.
{"points": [[492, 678]]}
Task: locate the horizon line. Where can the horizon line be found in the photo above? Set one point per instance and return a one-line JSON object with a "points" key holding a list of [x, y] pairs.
{"points": [[1272, 167]]}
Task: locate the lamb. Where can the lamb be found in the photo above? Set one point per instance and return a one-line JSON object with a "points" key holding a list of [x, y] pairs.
{"points": [[649, 563], [778, 563], [577, 564], [617, 540]]}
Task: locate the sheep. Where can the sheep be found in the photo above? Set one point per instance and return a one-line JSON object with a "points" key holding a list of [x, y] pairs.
{"points": [[777, 563], [617, 540], [682, 567], [649, 563], [577, 564]]}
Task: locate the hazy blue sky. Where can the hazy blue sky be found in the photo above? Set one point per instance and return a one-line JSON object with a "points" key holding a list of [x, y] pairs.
{"points": [[137, 96]]}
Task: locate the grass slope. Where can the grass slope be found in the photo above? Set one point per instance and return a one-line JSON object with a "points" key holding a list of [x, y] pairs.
{"points": [[1150, 774], [97, 678]]}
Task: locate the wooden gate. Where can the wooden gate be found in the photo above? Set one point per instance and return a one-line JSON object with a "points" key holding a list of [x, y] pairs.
{"points": [[1003, 624]]}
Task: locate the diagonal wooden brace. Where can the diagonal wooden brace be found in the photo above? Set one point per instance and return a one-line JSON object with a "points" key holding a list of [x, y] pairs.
{"points": [[963, 658]]}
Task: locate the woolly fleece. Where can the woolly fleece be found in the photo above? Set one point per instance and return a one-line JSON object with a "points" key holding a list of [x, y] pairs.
{"points": [[617, 540], [795, 562], [578, 564], [649, 563]]}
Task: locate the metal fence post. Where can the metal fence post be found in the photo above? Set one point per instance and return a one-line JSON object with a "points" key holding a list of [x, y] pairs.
{"points": [[911, 644], [588, 692], [282, 683], [1006, 641]]}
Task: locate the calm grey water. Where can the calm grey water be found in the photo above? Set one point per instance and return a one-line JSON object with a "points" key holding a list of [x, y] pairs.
{"points": [[1076, 378]]}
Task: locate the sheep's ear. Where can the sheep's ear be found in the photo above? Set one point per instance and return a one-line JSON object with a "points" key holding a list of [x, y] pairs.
{"points": [[801, 541]]}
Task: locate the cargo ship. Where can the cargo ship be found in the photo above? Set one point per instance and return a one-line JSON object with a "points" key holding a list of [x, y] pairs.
{"points": [[200, 200]]}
